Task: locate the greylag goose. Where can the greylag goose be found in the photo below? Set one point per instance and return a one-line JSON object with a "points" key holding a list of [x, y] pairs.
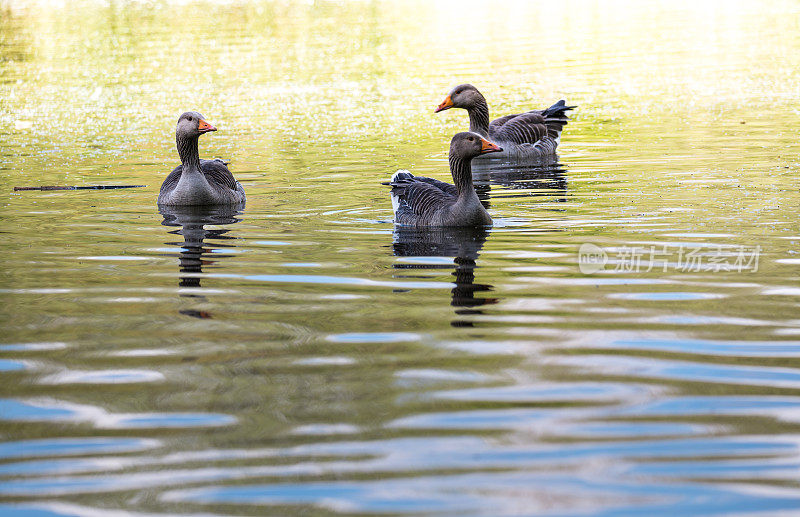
{"points": [[196, 181], [525, 135], [420, 202]]}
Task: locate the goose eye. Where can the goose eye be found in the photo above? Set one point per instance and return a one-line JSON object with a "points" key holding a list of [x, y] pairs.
{"points": [[190, 119]]}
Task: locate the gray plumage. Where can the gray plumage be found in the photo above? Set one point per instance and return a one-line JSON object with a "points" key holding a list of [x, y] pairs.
{"points": [[196, 181], [525, 135], [422, 202]]}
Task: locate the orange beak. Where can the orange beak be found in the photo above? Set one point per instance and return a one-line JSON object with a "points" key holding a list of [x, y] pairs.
{"points": [[205, 127], [446, 104], [488, 147]]}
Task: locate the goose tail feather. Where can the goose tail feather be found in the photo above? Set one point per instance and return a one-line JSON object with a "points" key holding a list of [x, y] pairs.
{"points": [[555, 118], [397, 179], [401, 175]]}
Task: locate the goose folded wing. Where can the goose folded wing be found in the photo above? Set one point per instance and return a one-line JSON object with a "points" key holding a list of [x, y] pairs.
{"points": [[521, 129], [423, 198], [172, 179], [217, 172], [447, 188], [498, 123]]}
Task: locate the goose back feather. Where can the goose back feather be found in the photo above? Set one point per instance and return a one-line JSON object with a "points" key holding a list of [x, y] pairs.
{"points": [[215, 171]]}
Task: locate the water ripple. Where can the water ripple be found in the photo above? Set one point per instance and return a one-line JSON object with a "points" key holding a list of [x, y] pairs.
{"points": [[103, 377], [53, 410]]}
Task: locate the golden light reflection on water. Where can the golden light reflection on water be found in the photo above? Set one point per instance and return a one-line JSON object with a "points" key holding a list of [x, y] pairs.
{"points": [[303, 354]]}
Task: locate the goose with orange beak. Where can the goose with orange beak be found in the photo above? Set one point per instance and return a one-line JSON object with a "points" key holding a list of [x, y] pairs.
{"points": [[533, 134], [196, 181], [426, 202]]}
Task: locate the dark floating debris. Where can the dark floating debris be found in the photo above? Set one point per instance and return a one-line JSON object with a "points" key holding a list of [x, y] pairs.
{"points": [[86, 187]]}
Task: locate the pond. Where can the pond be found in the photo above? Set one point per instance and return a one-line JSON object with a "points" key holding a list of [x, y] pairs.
{"points": [[625, 340]]}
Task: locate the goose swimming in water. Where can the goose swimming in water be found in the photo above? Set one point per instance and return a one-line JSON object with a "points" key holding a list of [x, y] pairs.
{"points": [[419, 201], [196, 181], [525, 135]]}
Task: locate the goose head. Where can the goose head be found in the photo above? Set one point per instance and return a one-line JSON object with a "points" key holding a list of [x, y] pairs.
{"points": [[191, 125], [468, 145], [463, 96]]}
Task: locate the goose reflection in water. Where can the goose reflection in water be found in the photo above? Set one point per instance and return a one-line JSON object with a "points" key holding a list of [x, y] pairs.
{"points": [[195, 253], [545, 175], [464, 244]]}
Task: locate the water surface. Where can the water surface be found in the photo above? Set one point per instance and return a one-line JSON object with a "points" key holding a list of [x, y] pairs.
{"points": [[300, 355]]}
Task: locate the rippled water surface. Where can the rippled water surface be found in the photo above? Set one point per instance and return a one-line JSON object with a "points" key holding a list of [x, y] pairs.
{"points": [[301, 356]]}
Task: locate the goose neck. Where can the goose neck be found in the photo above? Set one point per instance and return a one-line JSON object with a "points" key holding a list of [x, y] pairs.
{"points": [[479, 117], [190, 156], [461, 170]]}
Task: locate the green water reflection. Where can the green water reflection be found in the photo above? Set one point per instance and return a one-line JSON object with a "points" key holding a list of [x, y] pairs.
{"points": [[301, 355]]}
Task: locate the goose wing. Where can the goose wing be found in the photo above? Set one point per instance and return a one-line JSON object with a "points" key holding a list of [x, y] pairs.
{"points": [[217, 172], [422, 196], [172, 179], [424, 199], [497, 123], [447, 188], [525, 128]]}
